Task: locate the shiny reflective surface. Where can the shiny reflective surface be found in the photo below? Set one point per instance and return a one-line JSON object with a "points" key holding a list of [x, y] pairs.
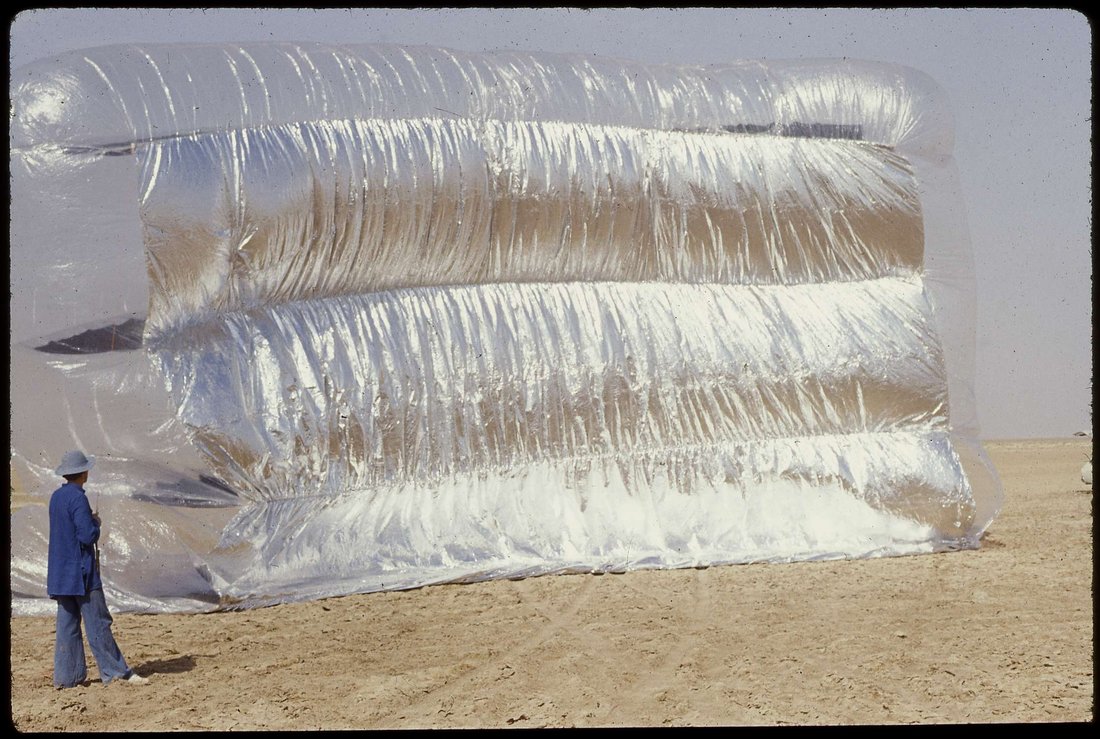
{"points": [[418, 316], [345, 208]]}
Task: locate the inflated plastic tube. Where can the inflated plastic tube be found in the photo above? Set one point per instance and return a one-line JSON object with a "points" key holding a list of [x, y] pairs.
{"points": [[545, 372], [108, 98], [343, 319], [472, 204]]}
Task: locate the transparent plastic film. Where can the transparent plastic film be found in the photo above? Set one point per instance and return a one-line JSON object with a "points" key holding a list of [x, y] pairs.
{"points": [[338, 319]]}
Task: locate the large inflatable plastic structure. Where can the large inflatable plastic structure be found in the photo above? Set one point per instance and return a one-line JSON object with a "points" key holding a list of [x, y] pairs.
{"points": [[340, 319]]}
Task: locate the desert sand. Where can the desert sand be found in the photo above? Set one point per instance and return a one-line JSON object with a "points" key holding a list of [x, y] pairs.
{"points": [[999, 634]]}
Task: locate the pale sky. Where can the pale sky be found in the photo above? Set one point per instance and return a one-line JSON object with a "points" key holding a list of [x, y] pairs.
{"points": [[1019, 81]]}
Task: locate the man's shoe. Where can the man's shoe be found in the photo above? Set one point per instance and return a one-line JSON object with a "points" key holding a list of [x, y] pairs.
{"points": [[136, 679]]}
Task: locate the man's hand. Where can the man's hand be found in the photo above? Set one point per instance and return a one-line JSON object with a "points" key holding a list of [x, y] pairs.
{"points": [[95, 517]]}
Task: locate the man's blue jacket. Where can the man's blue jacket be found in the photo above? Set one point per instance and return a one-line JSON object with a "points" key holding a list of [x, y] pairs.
{"points": [[71, 567]]}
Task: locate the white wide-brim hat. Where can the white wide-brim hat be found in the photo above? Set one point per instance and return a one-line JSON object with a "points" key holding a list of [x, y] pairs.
{"points": [[74, 462]]}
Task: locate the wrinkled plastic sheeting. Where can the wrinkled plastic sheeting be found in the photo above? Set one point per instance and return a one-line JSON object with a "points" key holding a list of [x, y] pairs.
{"points": [[344, 319]]}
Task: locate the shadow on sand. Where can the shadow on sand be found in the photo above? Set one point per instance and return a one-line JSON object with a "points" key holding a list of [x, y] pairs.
{"points": [[184, 663]]}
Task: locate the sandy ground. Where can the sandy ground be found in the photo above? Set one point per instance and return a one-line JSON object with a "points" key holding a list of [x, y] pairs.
{"points": [[1001, 634]]}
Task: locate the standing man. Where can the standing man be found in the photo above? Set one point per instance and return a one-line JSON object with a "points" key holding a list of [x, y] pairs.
{"points": [[72, 579]]}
